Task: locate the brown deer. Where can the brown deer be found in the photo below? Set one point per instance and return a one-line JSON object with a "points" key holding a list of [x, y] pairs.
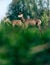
{"points": [[13, 22], [31, 22]]}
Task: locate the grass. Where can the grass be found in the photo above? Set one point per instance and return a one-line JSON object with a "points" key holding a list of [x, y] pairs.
{"points": [[18, 41]]}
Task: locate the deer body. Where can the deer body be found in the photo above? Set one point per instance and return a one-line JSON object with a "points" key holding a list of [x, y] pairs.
{"points": [[13, 22], [32, 22]]}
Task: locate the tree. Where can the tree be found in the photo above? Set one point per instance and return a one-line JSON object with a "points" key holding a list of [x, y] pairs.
{"points": [[27, 7], [31, 8]]}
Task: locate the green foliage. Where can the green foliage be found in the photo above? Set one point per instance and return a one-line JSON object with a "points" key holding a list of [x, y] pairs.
{"points": [[27, 7], [32, 8], [15, 44], [44, 19], [46, 36]]}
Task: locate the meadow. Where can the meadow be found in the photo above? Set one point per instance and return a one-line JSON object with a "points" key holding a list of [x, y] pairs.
{"points": [[15, 44]]}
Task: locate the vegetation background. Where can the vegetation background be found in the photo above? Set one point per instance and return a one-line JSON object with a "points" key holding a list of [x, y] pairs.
{"points": [[16, 42]]}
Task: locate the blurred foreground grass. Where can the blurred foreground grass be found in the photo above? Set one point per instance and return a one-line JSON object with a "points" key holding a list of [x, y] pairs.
{"points": [[15, 43]]}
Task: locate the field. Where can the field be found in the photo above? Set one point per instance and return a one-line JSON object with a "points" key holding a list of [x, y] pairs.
{"points": [[19, 46]]}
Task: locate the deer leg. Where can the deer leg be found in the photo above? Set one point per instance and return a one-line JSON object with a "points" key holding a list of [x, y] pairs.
{"points": [[25, 25], [39, 26]]}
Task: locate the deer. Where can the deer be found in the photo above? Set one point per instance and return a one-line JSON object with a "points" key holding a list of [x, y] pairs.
{"points": [[13, 22], [31, 22]]}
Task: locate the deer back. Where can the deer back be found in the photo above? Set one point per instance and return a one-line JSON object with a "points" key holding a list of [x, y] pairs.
{"points": [[33, 21]]}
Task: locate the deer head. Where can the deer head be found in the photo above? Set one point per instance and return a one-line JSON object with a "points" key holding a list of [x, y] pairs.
{"points": [[21, 17]]}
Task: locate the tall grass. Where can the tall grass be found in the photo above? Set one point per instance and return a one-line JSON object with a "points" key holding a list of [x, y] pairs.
{"points": [[18, 42]]}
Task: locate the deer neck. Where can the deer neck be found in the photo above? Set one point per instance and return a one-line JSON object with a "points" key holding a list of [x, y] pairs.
{"points": [[22, 19]]}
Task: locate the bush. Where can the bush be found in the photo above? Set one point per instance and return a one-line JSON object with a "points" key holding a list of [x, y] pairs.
{"points": [[19, 41], [44, 19], [46, 36]]}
